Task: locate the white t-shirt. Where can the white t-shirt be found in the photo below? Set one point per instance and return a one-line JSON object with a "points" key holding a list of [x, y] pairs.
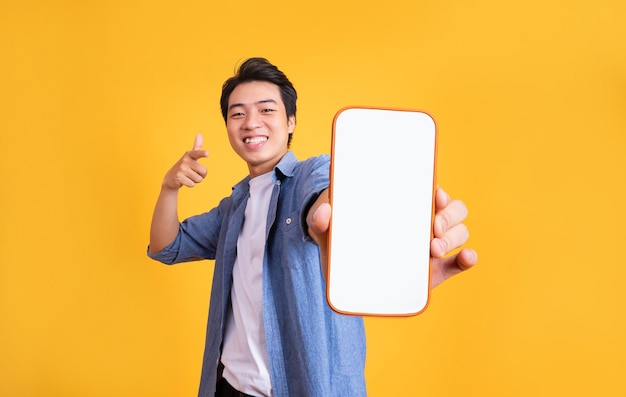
{"points": [[244, 353]]}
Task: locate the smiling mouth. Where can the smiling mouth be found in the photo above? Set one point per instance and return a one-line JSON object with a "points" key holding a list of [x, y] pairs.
{"points": [[255, 139]]}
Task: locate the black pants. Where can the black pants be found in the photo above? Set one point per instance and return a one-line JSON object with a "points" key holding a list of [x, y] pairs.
{"points": [[224, 389]]}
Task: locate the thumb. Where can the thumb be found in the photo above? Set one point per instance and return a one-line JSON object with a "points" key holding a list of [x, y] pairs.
{"points": [[197, 152], [197, 143], [319, 222]]}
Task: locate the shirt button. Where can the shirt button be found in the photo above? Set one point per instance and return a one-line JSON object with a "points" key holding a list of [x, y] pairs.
{"points": [[288, 221]]}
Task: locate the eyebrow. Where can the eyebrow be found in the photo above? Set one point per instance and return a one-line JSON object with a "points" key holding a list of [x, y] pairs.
{"points": [[235, 105]]}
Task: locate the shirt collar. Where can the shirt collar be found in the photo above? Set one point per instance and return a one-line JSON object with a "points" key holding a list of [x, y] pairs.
{"points": [[286, 165], [284, 168]]}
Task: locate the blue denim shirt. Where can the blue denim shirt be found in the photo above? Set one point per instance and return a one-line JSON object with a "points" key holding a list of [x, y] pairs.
{"points": [[312, 350]]}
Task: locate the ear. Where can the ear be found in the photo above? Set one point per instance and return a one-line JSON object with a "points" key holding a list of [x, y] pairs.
{"points": [[291, 123]]}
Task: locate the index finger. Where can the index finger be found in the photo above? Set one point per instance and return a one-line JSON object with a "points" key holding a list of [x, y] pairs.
{"points": [[441, 199]]}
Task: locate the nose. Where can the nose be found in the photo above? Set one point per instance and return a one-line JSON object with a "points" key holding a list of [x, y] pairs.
{"points": [[253, 121]]}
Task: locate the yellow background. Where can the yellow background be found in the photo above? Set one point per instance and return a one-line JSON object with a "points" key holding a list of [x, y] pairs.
{"points": [[100, 98]]}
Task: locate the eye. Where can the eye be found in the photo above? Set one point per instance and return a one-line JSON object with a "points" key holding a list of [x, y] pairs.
{"points": [[236, 115], [267, 110]]}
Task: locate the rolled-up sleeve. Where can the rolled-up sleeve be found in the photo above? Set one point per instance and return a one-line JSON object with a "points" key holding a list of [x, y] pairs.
{"points": [[196, 240]]}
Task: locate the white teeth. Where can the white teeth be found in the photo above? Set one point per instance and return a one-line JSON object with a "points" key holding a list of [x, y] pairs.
{"points": [[256, 139]]}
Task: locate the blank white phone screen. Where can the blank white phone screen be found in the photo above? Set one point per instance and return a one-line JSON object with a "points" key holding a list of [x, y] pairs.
{"points": [[381, 192]]}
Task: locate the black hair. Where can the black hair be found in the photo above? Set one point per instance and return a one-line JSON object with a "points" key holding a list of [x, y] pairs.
{"points": [[260, 69]]}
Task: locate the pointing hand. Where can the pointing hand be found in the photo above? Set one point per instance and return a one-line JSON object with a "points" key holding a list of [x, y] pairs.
{"points": [[187, 171]]}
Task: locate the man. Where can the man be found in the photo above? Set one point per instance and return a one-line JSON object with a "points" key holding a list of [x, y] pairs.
{"points": [[270, 330]]}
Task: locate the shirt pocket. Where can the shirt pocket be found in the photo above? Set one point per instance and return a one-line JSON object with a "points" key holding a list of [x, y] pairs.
{"points": [[294, 249]]}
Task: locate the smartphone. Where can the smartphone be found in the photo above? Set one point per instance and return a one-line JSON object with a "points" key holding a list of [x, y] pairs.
{"points": [[382, 187]]}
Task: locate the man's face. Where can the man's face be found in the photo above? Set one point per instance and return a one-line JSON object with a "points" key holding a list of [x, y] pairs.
{"points": [[257, 125]]}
